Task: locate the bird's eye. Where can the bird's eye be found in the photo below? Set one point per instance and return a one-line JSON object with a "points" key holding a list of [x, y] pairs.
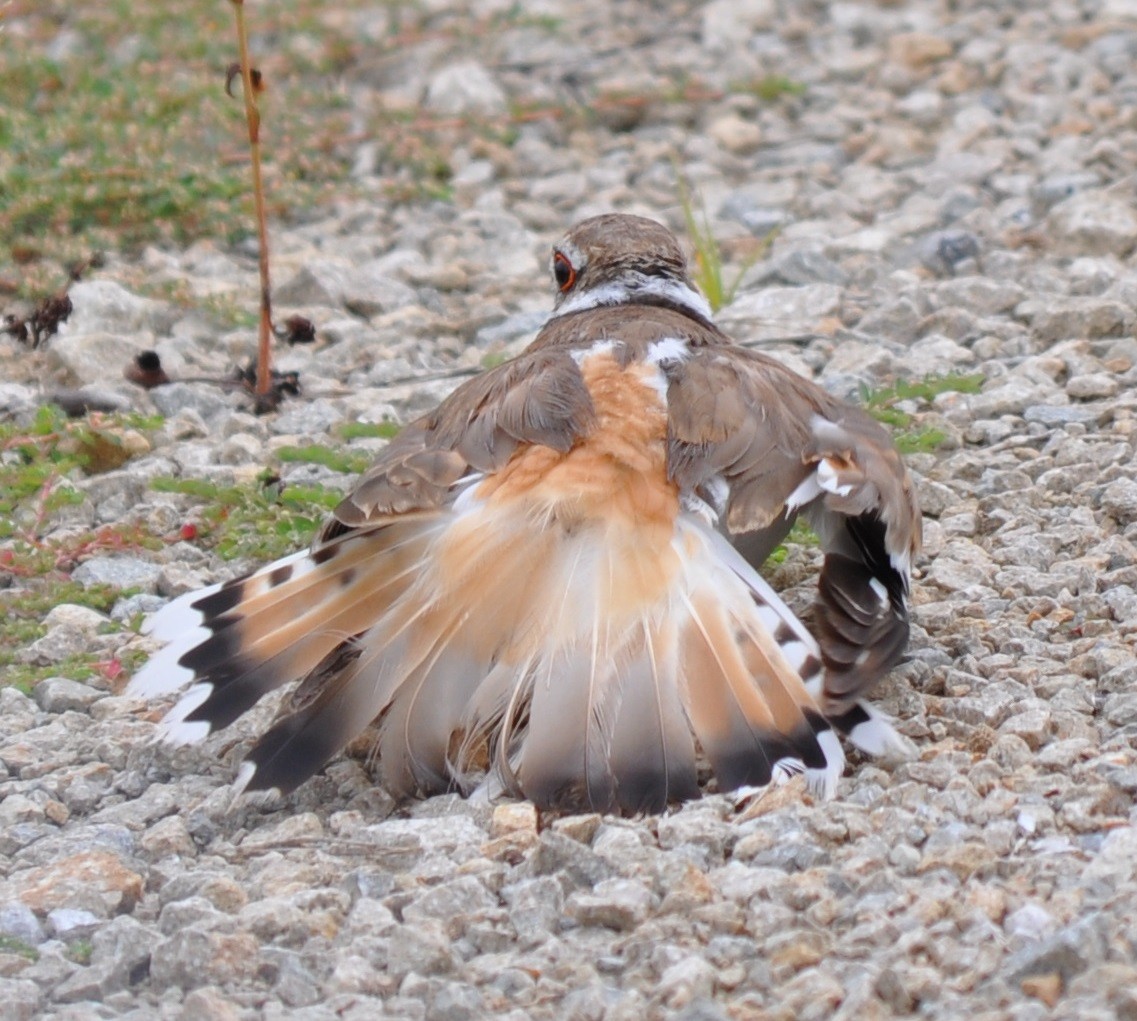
{"points": [[563, 271]]}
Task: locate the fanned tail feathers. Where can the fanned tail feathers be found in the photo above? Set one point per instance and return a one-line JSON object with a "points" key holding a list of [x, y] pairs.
{"points": [[575, 667]]}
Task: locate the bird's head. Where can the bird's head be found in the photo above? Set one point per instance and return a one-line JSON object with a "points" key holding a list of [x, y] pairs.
{"points": [[618, 259]]}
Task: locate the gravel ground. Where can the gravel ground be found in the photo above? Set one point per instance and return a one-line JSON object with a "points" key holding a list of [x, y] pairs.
{"points": [[954, 192]]}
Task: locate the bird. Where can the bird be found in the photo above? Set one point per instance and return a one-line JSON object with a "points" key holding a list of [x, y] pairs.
{"points": [[547, 588]]}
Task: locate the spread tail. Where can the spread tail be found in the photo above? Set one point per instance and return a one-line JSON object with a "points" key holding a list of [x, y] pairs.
{"points": [[584, 664]]}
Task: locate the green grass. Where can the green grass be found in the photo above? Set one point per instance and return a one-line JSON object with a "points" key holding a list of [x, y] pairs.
{"points": [[15, 945], [37, 465], [709, 273], [336, 460], [516, 16], [116, 131], [911, 438], [80, 951], [21, 622], [31, 605], [37, 462], [131, 138], [25, 677], [800, 534], [260, 520], [126, 136], [369, 430], [493, 359], [772, 87]]}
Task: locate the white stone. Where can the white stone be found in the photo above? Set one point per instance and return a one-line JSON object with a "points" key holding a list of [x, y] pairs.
{"points": [[465, 87], [736, 134], [97, 357], [99, 306], [1093, 223], [81, 618], [801, 306], [728, 24]]}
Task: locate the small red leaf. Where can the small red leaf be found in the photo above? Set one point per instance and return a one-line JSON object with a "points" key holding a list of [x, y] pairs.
{"points": [[110, 668]]}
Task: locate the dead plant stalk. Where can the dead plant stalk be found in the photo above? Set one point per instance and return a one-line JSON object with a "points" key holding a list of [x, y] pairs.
{"points": [[253, 119]]}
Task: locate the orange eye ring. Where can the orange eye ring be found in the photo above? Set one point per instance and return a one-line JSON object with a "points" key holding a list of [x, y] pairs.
{"points": [[564, 272]]}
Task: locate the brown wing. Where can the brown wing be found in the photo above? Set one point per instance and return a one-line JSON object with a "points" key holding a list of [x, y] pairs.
{"points": [[762, 444], [539, 397]]}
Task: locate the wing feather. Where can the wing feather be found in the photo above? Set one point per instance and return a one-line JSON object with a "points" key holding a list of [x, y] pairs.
{"points": [[783, 446]]}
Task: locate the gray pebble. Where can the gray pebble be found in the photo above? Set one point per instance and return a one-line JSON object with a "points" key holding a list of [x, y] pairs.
{"points": [[18, 921], [1063, 414], [119, 571], [72, 923], [60, 694], [1093, 223]]}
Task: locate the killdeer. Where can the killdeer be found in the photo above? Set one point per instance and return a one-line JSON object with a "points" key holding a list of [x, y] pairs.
{"points": [[547, 586]]}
